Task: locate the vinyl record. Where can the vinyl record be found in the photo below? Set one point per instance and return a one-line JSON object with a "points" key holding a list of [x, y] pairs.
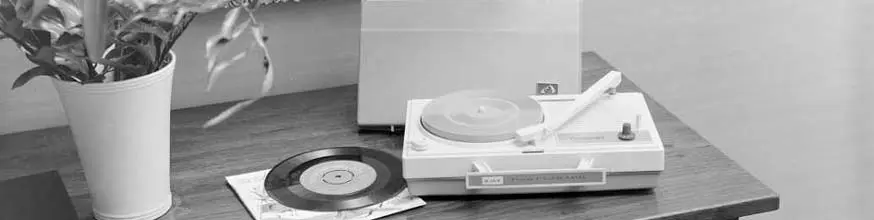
{"points": [[334, 179], [480, 116]]}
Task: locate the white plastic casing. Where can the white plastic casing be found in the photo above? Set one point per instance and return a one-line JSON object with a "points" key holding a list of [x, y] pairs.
{"points": [[592, 136]]}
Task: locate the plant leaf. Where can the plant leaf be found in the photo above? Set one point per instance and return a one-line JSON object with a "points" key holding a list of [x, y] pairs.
{"points": [[50, 19], [73, 61], [45, 56], [228, 113], [239, 29], [37, 8], [30, 74], [71, 44], [258, 33], [226, 34], [119, 11], [219, 69], [13, 28], [139, 4], [7, 11], [70, 11], [142, 54], [180, 14], [38, 38], [27, 10], [218, 42], [68, 38], [230, 20], [119, 65], [143, 32]]}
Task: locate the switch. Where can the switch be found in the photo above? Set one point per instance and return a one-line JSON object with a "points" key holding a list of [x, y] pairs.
{"points": [[626, 134]]}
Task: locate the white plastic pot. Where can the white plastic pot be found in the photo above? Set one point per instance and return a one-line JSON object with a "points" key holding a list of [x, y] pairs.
{"points": [[122, 133]]}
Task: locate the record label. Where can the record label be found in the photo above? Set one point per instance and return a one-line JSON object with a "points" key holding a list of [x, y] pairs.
{"points": [[335, 179], [342, 177]]}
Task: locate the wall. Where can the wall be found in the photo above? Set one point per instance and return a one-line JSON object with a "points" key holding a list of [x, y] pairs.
{"points": [[773, 83], [864, 49]]}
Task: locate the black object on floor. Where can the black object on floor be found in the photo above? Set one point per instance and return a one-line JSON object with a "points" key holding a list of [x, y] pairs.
{"points": [[39, 196]]}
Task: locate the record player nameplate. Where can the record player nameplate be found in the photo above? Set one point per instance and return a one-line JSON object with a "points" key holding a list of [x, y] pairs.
{"points": [[540, 178]]}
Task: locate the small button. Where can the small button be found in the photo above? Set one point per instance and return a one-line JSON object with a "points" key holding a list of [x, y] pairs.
{"points": [[626, 134]]}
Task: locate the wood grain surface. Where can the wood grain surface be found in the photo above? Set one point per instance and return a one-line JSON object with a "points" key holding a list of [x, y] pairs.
{"points": [[699, 182]]}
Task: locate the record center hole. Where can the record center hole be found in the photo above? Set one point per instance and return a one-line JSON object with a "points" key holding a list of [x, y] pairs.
{"points": [[337, 177]]}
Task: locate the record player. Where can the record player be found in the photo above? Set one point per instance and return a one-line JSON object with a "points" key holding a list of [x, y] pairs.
{"points": [[483, 142]]}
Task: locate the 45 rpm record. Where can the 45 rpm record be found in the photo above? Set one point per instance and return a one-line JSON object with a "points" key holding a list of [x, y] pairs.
{"points": [[334, 179], [480, 116]]}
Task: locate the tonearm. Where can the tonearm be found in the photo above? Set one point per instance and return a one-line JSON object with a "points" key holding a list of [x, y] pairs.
{"points": [[605, 86]]}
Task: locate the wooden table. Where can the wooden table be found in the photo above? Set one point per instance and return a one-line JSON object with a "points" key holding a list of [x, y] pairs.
{"points": [[699, 182]]}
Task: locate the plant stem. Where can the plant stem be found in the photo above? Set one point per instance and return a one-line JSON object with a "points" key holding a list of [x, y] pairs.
{"points": [[94, 22], [91, 68]]}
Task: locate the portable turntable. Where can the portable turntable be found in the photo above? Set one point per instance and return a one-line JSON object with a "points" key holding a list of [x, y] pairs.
{"points": [[483, 142]]}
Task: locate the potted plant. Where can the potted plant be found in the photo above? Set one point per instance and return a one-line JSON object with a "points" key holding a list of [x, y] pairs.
{"points": [[112, 64]]}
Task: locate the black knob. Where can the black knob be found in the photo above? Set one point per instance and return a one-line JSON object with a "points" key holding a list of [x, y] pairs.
{"points": [[626, 134]]}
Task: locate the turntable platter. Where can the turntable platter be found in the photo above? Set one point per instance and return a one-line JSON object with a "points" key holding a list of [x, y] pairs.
{"points": [[479, 116]]}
